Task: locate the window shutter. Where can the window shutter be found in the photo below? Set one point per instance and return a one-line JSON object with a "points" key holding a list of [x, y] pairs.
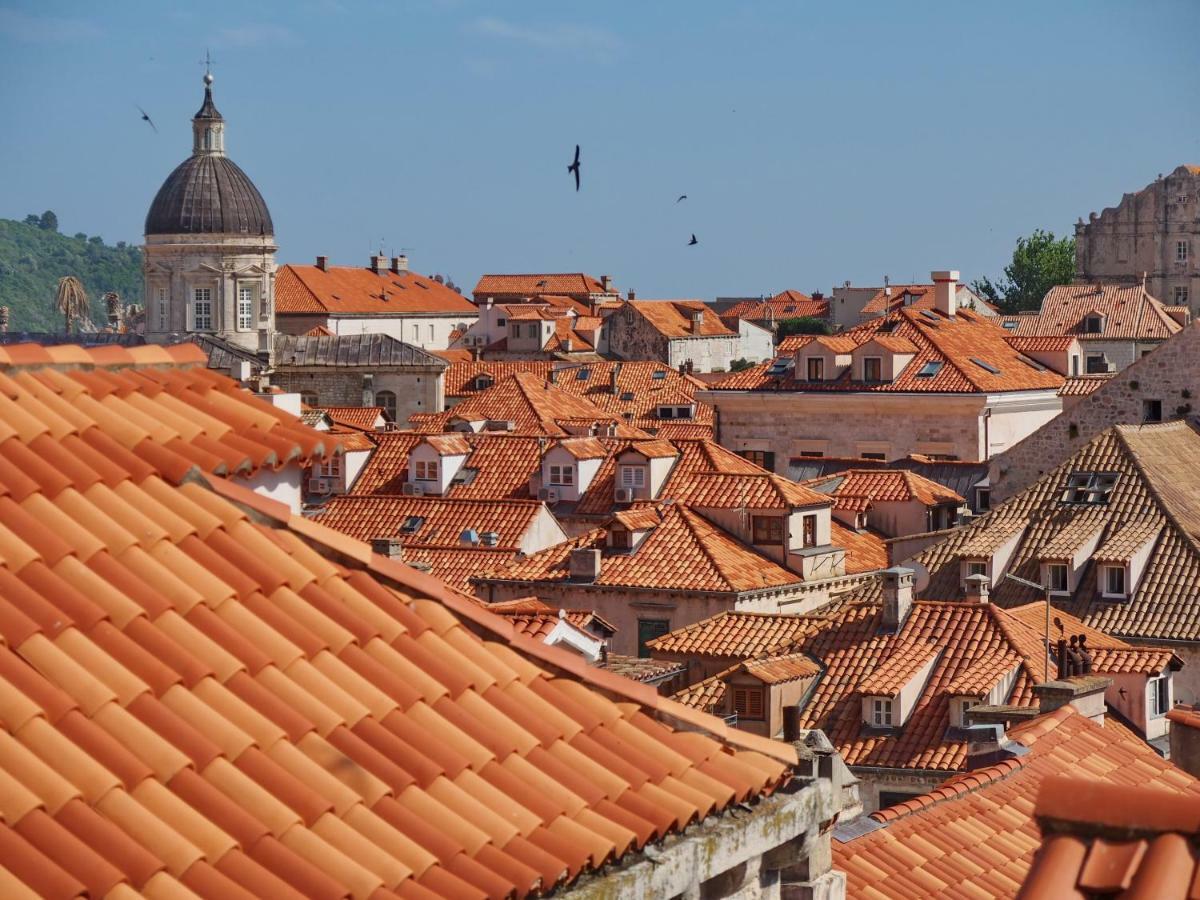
{"points": [[756, 704]]}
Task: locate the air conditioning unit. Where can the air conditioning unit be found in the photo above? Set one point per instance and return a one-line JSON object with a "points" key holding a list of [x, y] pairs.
{"points": [[320, 486], [412, 490], [624, 495], [549, 495]]}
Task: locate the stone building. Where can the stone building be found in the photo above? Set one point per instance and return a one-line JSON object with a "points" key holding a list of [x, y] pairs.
{"points": [[209, 265], [1154, 232], [676, 332]]}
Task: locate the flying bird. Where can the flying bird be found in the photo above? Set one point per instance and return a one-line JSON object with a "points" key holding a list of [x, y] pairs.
{"points": [[574, 167], [693, 242], [682, 197], [146, 118]]}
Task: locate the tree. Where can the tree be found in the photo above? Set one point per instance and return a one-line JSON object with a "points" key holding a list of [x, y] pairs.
{"points": [[71, 301], [739, 365], [33, 219], [802, 325], [1039, 262], [48, 221]]}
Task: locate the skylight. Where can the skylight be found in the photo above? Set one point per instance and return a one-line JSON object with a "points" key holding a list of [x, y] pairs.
{"points": [[987, 367], [930, 368], [412, 524], [659, 374], [1010, 326], [930, 314], [581, 375], [1033, 364], [1089, 487]]}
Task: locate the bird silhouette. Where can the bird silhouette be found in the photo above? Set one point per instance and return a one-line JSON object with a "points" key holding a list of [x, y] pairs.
{"points": [[146, 118], [574, 167], [682, 197], [542, 283], [693, 241]]}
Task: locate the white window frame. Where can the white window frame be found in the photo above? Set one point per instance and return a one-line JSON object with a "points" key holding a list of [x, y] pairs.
{"points": [[1154, 707], [1181, 251], [163, 319], [562, 476], [425, 470], [1107, 574], [974, 567], [331, 467], [202, 295], [881, 712], [633, 476], [1181, 295], [1065, 570], [245, 307], [1091, 488]]}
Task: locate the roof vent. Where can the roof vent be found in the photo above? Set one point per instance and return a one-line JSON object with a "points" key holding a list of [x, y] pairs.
{"points": [[490, 538], [585, 564], [470, 537]]}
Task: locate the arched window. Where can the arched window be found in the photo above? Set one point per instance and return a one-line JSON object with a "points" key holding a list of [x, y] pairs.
{"points": [[207, 138], [387, 400]]}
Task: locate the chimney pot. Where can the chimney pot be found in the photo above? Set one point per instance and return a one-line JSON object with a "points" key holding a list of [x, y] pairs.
{"points": [[379, 263], [606, 283], [897, 596], [945, 291], [977, 588], [323, 263], [632, 295], [391, 547]]}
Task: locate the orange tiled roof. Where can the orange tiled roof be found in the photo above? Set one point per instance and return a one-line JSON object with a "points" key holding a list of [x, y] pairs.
{"points": [[1101, 839], [883, 486], [976, 835], [351, 290], [673, 318], [866, 550], [501, 464], [683, 552], [1130, 314], [202, 692], [960, 343], [782, 668], [1044, 343], [318, 331], [533, 606], [568, 284], [360, 418], [1082, 385], [784, 305], [443, 520], [891, 675], [734, 635]]}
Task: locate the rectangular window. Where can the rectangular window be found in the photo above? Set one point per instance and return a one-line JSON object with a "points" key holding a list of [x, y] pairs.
{"points": [[1114, 580], [245, 309], [621, 539], [810, 454], [202, 317], [648, 630], [872, 368], [809, 527], [1097, 364], [416, 333], [1181, 251], [1093, 325], [748, 703], [1089, 487], [1056, 578], [983, 499], [767, 529], [762, 458], [881, 713], [976, 567], [533, 330], [882, 456], [816, 369], [1181, 296], [563, 475], [633, 476], [426, 471], [330, 468], [431, 333], [162, 309], [1159, 690], [1151, 410]]}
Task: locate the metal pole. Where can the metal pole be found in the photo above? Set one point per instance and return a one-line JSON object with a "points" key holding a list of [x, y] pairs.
{"points": [[1047, 676]]}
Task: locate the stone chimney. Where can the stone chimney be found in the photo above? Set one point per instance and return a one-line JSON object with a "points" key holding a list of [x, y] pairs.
{"points": [[323, 263], [585, 564], [379, 263], [697, 320], [988, 744], [400, 264], [897, 597], [977, 589], [1084, 692], [391, 547], [606, 283], [632, 296], [945, 291], [239, 370]]}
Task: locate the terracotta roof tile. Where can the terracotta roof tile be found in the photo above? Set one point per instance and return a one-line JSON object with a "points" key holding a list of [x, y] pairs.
{"points": [[1082, 385], [568, 284], [673, 318], [207, 700], [361, 418], [978, 833], [351, 290], [784, 305], [1129, 314], [883, 486]]}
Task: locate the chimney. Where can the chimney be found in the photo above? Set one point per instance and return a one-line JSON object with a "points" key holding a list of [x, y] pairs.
{"points": [[379, 263], [239, 370], [368, 390], [632, 296], [945, 290], [566, 345], [697, 320], [585, 564], [1084, 692], [977, 589], [323, 263], [988, 744], [391, 547], [612, 378], [606, 283], [400, 264], [818, 296], [897, 597]]}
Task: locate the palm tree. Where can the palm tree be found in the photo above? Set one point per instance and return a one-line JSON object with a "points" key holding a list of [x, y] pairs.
{"points": [[71, 301]]}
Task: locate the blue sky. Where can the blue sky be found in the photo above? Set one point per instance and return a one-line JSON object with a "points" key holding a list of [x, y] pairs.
{"points": [[817, 142]]}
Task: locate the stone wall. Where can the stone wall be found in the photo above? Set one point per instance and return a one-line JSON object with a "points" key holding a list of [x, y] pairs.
{"points": [[417, 391], [1170, 373], [873, 782]]}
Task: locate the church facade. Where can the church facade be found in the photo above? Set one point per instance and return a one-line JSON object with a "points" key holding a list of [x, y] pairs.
{"points": [[209, 263]]}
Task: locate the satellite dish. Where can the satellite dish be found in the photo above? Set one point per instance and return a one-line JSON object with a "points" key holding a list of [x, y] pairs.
{"points": [[920, 577]]}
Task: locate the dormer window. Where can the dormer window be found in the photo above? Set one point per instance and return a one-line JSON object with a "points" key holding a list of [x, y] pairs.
{"points": [[1158, 696], [675, 412], [816, 369], [1093, 324], [881, 714], [808, 526], [621, 539], [1057, 578], [633, 476], [483, 382], [872, 368], [1113, 581], [562, 475], [425, 470], [1089, 487], [974, 567]]}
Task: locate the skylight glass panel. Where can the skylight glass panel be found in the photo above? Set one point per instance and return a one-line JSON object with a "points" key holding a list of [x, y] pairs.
{"points": [[930, 368], [987, 367]]}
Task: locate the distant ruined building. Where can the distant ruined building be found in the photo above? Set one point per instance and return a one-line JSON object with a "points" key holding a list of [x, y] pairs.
{"points": [[1155, 233]]}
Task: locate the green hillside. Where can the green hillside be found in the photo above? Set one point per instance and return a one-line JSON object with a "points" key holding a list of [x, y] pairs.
{"points": [[33, 256]]}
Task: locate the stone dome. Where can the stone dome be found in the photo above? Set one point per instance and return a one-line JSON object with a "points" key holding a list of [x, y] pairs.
{"points": [[208, 193]]}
